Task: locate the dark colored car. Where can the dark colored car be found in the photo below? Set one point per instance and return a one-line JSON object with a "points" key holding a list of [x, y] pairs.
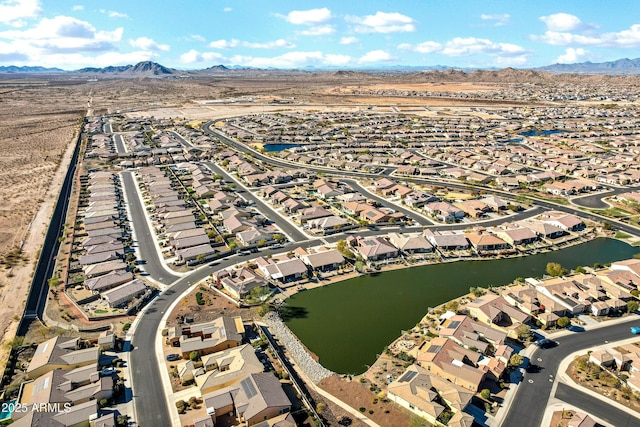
{"points": [[546, 343], [172, 357]]}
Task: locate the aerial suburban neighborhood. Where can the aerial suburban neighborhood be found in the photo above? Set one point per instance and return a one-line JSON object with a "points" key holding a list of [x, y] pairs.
{"points": [[340, 245]]}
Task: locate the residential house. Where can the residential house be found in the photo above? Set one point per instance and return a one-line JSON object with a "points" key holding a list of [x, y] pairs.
{"points": [[321, 260], [256, 398], [376, 248], [410, 244], [483, 241], [428, 396], [121, 295], [447, 241], [495, 310], [472, 334], [515, 235], [60, 353], [566, 222], [446, 359], [238, 281], [285, 271], [206, 338], [227, 367]]}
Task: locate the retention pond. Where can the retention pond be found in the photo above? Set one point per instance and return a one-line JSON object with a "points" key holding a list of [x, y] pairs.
{"points": [[347, 324]]}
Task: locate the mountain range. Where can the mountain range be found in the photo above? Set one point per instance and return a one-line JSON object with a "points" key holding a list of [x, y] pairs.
{"points": [[152, 69]]}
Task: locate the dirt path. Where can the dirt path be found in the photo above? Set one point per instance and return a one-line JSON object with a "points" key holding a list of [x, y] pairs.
{"points": [[13, 297]]}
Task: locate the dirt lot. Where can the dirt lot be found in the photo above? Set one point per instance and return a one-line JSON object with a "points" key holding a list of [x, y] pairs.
{"points": [[358, 396]]}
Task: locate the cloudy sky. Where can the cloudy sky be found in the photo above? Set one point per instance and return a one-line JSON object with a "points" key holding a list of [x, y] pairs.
{"points": [[193, 34]]}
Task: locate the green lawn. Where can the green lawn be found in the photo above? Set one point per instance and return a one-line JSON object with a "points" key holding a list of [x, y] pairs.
{"points": [[622, 235]]}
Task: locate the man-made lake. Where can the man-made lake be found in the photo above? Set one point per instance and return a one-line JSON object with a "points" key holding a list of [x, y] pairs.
{"points": [[279, 147], [541, 132], [347, 324]]}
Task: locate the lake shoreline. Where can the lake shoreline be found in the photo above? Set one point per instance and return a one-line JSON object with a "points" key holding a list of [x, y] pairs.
{"points": [[427, 289]]}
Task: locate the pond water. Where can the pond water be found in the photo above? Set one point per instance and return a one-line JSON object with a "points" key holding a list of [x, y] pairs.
{"points": [[279, 147], [348, 323]]}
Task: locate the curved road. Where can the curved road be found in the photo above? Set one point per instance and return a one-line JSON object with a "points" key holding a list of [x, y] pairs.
{"points": [[532, 398], [150, 402]]}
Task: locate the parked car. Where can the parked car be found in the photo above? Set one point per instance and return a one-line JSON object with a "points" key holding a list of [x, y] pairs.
{"points": [[635, 330], [106, 372], [172, 357], [546, 343]]}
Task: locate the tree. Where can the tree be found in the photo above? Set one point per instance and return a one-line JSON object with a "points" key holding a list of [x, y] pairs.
{"points": [[563, 322], [580, 270], [321, 407], [343, 248], [262, 242], [194, 356], [632, 306], [515, 360], [485, 394], [556, 270], [524, 332]]}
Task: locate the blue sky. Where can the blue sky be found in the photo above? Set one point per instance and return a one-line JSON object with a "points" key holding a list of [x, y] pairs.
{"points": [[195, 34]]}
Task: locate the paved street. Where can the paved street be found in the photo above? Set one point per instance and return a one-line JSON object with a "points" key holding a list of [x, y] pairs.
{"points": [[151, 406], [289, 229], [528, 406], [145, 243], [410, 213], [118, 140]]}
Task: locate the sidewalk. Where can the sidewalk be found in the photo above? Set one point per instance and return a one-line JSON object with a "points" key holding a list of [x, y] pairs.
{"points": [[154, 237], [562, 375], [498, 419]]}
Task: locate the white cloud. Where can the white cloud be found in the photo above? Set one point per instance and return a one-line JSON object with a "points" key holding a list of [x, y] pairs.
{"points": [[224, 44], [562, 22], [571, 56], [464, 46], [319, 30], [376, 56], [77, 7], [502, 53], [233, 43], [114, 14], [16, 10], [227, 9], [308, 17], [146, 43], [197, 38], [337, 60], [348, 40], [280, 43], [63, 34], [629, 38], [383, 22], [424, 47], [193, 56], [500, 18]]}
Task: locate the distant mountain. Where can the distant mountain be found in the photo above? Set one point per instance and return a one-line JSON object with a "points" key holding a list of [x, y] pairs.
{"points": [[141, 69], [623, 66], [27, 69]]}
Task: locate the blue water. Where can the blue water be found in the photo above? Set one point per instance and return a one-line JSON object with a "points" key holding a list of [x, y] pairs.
{"points": [[536, 132], [6, 415], [279, 147]]}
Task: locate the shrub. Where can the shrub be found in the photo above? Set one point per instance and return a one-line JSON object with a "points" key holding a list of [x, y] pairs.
{"points": [[563, 322], [486, 394], [362, 409], [199, 298]]}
